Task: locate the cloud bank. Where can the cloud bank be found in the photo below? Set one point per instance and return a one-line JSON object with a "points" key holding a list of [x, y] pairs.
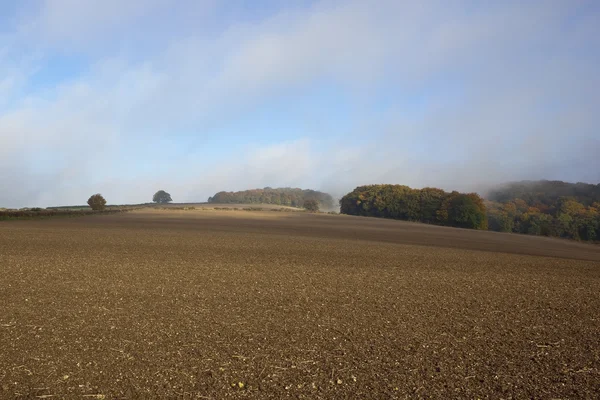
{"points": [[128, 98]]}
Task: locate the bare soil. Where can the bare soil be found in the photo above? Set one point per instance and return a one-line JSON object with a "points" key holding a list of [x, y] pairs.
{"points": [[238, 304]]}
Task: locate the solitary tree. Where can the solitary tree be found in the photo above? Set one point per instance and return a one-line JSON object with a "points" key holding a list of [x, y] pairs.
{"points": [[97, 202], [311, 205], [161, 197]]}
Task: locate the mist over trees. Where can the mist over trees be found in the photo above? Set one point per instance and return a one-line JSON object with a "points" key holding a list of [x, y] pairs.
{"points": [[430, 205], [546, 193], [292, 197], [548, 208]]}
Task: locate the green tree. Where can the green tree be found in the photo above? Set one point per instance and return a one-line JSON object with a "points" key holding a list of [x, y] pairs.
{"points": [[162, 197], [97, 202], [466, 211], [431, 200], [311, 205]]}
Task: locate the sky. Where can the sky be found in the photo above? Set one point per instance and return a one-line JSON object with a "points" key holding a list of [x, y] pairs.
{"points": [[193, 97]]}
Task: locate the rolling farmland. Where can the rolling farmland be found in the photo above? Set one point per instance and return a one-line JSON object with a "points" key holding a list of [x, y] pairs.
{"points": [[211, 304]]}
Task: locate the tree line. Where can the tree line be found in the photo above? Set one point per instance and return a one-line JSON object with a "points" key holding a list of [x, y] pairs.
{"points": [[429, 205], [293, 197], [548, 208]]}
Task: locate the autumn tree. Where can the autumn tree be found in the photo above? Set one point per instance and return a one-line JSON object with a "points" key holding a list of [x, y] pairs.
{"points": [[501, 217], [534, 222], [97, 202]]}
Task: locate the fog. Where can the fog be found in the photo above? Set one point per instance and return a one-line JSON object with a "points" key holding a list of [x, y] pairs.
{"points": [[328, 95]]}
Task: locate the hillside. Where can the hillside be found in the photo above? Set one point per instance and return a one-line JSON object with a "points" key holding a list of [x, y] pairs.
{"points": [[293, 197]]}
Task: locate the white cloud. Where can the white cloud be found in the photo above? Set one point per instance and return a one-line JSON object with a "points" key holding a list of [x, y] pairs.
{"points": [[73, 25]]}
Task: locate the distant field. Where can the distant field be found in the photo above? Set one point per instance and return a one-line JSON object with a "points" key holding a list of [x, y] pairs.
{"points": [[39, 213], [179, 205], [230, 206], [212, 304], [77, 211]]}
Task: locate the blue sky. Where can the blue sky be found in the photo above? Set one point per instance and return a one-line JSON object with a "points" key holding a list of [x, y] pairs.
{"points": [[125, 98]]}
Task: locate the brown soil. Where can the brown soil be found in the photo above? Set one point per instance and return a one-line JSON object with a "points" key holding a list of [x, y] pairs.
{"points": [[226, 304]]}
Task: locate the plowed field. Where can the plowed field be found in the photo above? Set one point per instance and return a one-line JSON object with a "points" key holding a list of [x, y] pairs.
{"points": [[239, 304]]}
